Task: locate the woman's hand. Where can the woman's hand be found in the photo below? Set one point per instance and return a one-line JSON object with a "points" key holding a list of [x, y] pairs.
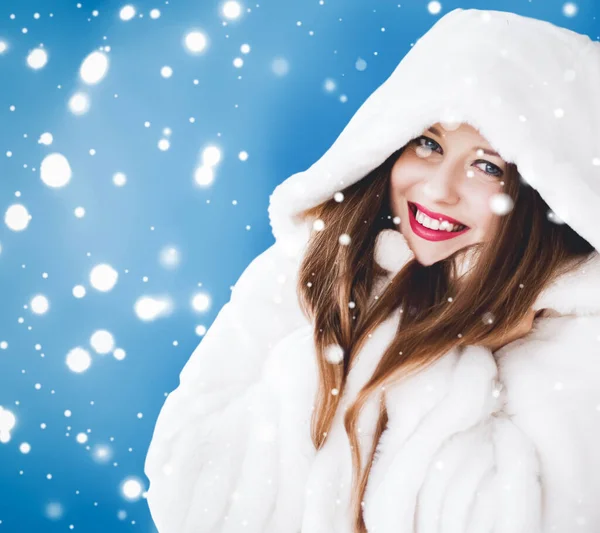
{"points": [[522, 329]]}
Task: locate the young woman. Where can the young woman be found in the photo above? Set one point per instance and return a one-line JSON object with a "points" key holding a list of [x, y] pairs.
{"points": [[419, 351]]}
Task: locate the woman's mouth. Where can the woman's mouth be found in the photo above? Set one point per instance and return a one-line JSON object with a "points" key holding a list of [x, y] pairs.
{"points": [[437, 231]]}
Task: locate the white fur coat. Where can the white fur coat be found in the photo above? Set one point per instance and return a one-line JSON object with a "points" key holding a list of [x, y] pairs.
{"points": [[503, 443]]}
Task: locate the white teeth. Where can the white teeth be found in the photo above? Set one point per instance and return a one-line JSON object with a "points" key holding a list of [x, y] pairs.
{"points": [[430, 223]]}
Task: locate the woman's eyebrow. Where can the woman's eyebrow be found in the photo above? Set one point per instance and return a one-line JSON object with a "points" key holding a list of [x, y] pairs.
{"points": [[435, 131]]}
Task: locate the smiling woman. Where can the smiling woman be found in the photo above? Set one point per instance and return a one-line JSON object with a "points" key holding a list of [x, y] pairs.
{"points": [[377, 371], [479, 286]]}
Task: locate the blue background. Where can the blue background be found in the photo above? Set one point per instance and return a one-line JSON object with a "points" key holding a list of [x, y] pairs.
{"points": [[284, 122]]}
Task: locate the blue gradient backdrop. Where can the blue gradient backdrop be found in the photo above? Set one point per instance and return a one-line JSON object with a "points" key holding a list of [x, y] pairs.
{"points": [[284, 120]]}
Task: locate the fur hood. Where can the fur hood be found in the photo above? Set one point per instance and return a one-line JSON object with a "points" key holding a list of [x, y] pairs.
{"points": [[479, 442], [528, 86]]}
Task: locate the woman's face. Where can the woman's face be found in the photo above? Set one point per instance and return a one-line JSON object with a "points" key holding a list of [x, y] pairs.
{"points": [[449, 174]]}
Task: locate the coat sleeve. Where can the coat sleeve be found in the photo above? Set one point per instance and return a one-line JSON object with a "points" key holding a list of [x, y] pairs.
{"points": [[553, 399], [497, 443], [217, 429]]}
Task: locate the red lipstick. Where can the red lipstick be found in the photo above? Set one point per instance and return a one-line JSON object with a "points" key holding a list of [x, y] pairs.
{"points": [[432, 234]]}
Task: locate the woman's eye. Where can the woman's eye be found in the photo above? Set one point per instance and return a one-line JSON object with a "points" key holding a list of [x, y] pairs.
{"points": [[493, 170], [418, 142], [496, 172]]}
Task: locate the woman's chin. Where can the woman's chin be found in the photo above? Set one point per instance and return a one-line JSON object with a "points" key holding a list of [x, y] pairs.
{"points": [[426, 254]]}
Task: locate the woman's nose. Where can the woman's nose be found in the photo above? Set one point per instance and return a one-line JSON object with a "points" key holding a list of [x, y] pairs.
{"points": [[442, 184]]}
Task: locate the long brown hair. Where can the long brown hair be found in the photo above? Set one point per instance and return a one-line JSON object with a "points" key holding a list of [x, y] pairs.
{"points": [[528, 252]]}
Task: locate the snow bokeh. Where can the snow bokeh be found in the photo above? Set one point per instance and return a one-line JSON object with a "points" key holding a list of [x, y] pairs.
{"points": [[79, 103], [200, 302], [127, 12], [94, 68], [195, 42], [17, 217], [7, 423], [132, 488], [55, 170], [37, 58], [149, 308], [102, 341], [103, 277], [78, 360], [39, 304]]}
